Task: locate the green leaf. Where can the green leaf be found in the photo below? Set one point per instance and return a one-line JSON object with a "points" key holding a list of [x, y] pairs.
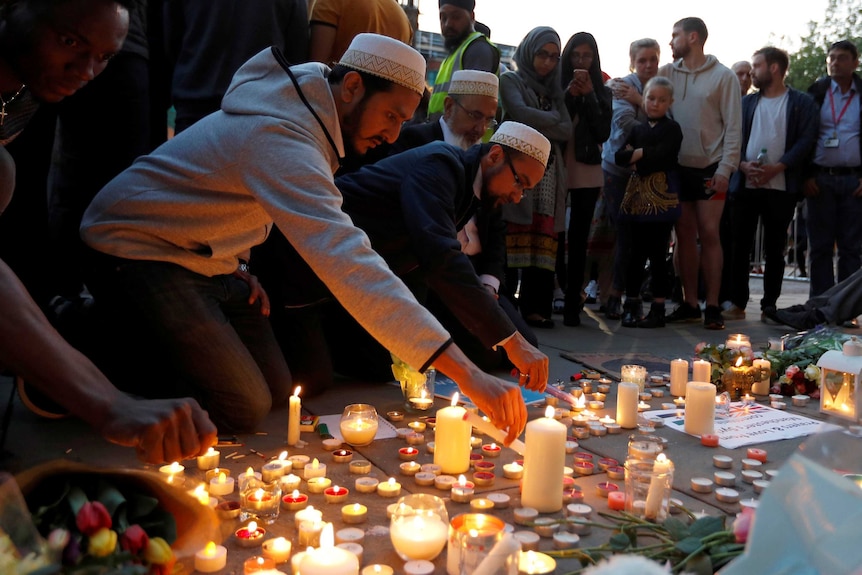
{"points": [[688, 545], [140, 505], [620, 542], [676, 528], [707, 525], [115, 502], [77, 498]]}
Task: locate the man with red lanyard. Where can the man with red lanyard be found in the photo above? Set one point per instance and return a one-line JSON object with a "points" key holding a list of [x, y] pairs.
{"points": [[833, 189]]}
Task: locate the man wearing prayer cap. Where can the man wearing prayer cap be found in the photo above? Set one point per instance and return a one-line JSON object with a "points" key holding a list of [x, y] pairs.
{"points": [[412, 206], [468, 49], [171, 235]]}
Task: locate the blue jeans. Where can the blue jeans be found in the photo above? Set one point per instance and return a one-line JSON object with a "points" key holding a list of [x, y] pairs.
{"points": [[614, 191], [834, 218], [207, 335]]}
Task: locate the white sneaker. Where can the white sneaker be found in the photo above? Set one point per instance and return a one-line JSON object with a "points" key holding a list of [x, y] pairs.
{"points": [[592, 291]]}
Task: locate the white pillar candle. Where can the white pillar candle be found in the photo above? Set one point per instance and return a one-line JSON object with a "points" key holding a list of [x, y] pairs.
{"points": [[293, 416], [699, 408], [627, 404], [452, 439], [329, 559], [658, 486], [544, 460], [678, 377], [761, 386], [700, 370], [211, 558]]}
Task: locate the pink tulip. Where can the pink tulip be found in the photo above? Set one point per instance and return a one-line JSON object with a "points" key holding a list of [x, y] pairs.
{"points": [[743, 524]]}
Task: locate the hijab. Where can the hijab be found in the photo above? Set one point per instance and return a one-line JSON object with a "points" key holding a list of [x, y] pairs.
{"points": [[526, 51], [595, 70]]}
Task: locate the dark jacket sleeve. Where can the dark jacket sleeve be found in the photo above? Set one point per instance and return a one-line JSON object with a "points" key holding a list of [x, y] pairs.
{"points": [[492, 234], [594, 112]]}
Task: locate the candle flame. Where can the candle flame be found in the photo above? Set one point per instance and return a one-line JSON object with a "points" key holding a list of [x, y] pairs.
{"points": [[249, 472], [327, 537], [210, 549], [297, 390], [661, 457], [315, 463], [739, 361], [260, 561], [259, 494], [549, 412], [455, 398], [391, 481], [336, 489], [295, 493], [357, 507], [222, 478], [462, 481], [581, 401], [493, 446], [211, 451], [282, 456], [252, 527]]}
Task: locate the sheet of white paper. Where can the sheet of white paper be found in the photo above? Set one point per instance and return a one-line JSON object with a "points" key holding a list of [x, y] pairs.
{"points": [[385, 429]]}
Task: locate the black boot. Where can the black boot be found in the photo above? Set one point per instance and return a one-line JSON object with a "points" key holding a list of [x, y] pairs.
{"points": [[655, 317], [631, 312]]}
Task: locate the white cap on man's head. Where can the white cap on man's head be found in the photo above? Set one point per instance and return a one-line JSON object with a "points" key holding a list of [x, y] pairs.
{"points": [[525, 139], [474, 82], [386, 58]]}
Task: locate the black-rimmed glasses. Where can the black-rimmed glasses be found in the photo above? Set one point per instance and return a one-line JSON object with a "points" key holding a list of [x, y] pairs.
{"points": [[515, 176], [477, 116]]}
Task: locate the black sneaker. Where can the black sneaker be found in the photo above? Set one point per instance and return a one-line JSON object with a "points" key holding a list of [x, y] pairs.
{"points": [[684, 313], [613, 309], [712, 318], [655, 318]]}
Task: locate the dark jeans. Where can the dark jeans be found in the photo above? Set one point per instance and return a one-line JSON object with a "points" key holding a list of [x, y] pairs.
{"points": [[207, 335], [649, 241], [775, 208], [536, 292], [583, 205], [834, 218], [614, 191]]}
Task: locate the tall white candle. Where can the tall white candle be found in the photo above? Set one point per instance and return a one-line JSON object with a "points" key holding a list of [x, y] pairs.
{"points": [[627, 404], [452, 439], [657, 486], [700, 370], [678, 377], [293, 415], [761, 387], [329, 559], [699, 408], [544, 460]]}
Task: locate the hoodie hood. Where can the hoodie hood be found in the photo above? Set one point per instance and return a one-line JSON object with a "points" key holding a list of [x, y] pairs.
{"points": [[678, 67]]}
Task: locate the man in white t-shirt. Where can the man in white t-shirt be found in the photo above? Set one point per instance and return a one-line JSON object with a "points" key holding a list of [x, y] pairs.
{"points": [[783, 122]]}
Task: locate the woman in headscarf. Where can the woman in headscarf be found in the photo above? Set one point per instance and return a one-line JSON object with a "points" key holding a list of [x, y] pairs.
{"points": [[533, 95], [590, 104]]}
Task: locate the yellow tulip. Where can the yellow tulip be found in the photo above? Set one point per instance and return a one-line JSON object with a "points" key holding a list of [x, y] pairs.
{"points": [[158, 552], [102, 543]]}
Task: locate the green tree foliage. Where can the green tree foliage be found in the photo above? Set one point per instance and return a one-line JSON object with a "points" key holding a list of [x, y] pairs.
{"points": [[843, 21]]}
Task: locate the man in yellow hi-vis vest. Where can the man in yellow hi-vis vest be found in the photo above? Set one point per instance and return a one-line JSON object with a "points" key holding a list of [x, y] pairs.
{"points": [[468, 49]]}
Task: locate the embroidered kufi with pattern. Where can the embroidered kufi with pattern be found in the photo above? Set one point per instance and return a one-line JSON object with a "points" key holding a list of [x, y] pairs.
{"points": [[525, 139], [386, 58], [474, 82]]}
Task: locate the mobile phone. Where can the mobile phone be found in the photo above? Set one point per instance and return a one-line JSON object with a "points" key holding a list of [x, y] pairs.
{"points": [[228, 441], [579, 72]]}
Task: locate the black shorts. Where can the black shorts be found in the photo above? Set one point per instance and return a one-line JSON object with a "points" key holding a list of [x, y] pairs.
{"points": [[694, 184]]}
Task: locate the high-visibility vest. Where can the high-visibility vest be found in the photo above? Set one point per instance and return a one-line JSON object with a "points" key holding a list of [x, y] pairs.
{"points": [[450, 65]]}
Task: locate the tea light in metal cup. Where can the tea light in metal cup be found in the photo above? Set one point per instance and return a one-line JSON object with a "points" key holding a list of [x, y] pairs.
{"points": [[342, 456], [722, 461], [395, 416], [390, 488], [750, 503], [701, 484], [751, 475], [336, 494], [359, 467], [583, 456], [429, 447], [667, 406], [444, 482], [724, 478], [408, 453], [289, 482], [250, 535], [778, 405], [277, 549], [596, 405], [402, 432], [309, 533], [606, 462], [424, 478], [645, 396], [354, 513], [483, 478], [616, 472], [492, 450], [257, 564], [349, 535], [529, 540], [643, 406], [476, 457], [751, 464], [409, 468], [484, 466], [579, 525], [566, 540], [298, 461], [500, 500], [475, 442], [417, 426], [571, 446], [432, 468], [481, 505], [318, 484], [525, 515], [584, 467], [760, 485], [800, 400], [727, 495], [581, 432], [366, 485], [545, 526], [513, 471], [294, 501], [414, 438], [603, 387], [572, 495], [331, 444], [657, 392], [771, 474], [605, 487]]}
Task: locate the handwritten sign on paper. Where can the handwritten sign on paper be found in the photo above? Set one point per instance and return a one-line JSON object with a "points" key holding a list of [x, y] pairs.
{"points": [[748, 425]]}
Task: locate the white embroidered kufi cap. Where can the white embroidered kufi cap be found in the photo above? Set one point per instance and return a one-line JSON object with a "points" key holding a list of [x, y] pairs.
{"points": [[525, 139], [474, 82], [386, 58]]}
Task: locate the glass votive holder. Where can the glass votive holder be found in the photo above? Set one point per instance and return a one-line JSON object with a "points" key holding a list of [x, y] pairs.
{"points": [[472, 536], [418, 390], [359, 424], [419, 527], [648, 488], [644, 446], [634, 374], [260, 501]]}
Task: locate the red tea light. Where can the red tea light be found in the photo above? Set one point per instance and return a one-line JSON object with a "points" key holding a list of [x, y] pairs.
{"points": [[568, 482], [430, 421], [483, 478], [295, 501], [757, 454], [709, 440], [228, 510], [408, 453], [342, 455], [606, 462], [605, 487], [336, 494], [584, 468], [617, 501], [583, 456], [250, 536], [574, 495], [476, 458], [485, 466], [492, 450], [616, 472], [513, 470]]}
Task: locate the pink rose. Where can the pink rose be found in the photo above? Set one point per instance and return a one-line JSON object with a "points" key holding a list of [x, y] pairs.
{"points": [[92, 517], [699, 347], [134, 539], [791, 370], [743, 524]]}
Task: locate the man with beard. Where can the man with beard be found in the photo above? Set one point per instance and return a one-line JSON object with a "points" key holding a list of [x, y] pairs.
{"points": [[707, 107], [784, 122], [48, 51], [413, 207], [468, 49], [172, 234]]}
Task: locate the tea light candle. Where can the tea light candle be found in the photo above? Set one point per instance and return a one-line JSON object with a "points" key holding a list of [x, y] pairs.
{"points": [[432, 468], [298, 461], [377, 569], [492, 450], [221, 485], [214, 473], [277, 549], [545, 526], [571, 446], [211, 558], [418, 567], [525, 515], [724, 478], [751, 464], [271, 471], [722, 461], [751, 475], [606, 462], [402, 432], [429, 447], [349, 535], [389, 488], [250, 536], [409, 468], [583, 467], [424, 478], [414, 438], [643, 406], [596, 405], [342, 455], [366, 485], [737, 341], [295, 501], [172, 470], [800, 400], [500, 500], [475, 442], [444, 482], [315, 469], [760, 485], [308, 514], [485, 466], [598, 430], [319, 484], [208, 460], [513, 471], [475, 457], [309, 533], [778, 405], [701, 484], [727, 495], [354, 513], [700, 371], [408, 453], [656, 392], [709, 440], [336, 494], [289, 482], [616, 472], [644, 396], [568, 472], [257, 565], [481, 505], [616, 500], [462, 491], [417, 426], [565, 540], [700, 408], [359, 467], [755, 453], [395, 416], [581, 432], [228, 510], [483, 478], [331, 444], [535, 563]]}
